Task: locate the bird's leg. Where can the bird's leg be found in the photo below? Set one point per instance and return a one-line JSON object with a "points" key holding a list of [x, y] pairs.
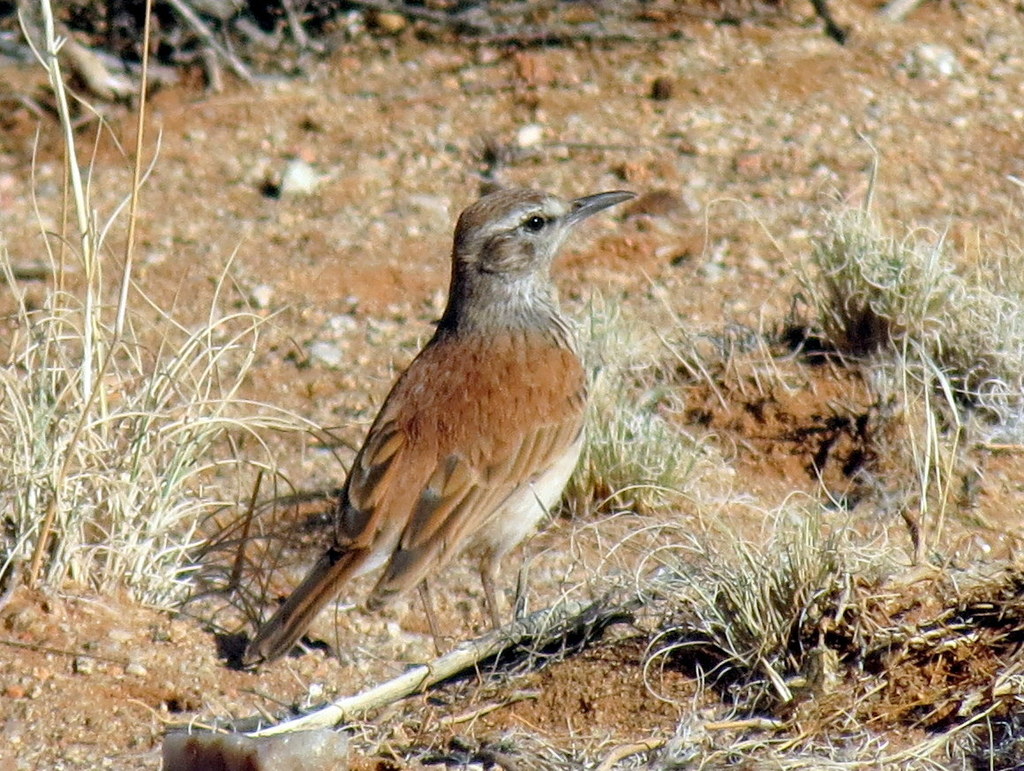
{"points": [[522, 577], [428, 607], [488, 577]]}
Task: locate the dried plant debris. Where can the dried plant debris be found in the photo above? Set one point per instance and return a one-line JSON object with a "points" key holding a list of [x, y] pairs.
{"points": [[248, 38]]}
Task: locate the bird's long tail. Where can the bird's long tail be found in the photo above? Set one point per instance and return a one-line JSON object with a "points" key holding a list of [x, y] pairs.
{"points": [[323, 582]]}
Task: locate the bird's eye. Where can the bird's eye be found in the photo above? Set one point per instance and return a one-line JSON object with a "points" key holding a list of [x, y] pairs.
{"points": [[535, 223]]}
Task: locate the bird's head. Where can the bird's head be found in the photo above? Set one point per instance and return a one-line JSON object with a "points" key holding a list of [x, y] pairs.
{"points": [[517, 232]]}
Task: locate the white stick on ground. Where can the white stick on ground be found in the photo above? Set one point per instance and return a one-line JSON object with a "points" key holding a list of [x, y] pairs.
{"points": [[542, 628]]}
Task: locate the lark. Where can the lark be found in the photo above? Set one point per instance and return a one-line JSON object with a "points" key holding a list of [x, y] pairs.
{"points": [[478, 436]]}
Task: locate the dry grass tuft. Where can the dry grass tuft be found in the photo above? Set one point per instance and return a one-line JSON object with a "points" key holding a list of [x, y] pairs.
{"points": [[634, 458], [125, 470], [822, 652], [116, 421], [942, 352], [875, 293], [750, 618]]}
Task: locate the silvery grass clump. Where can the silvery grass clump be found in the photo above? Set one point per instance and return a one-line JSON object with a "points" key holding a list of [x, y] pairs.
{"points": [[115, 475], [117, 422], [634, 457], [874, 293], [943, 351], [748, 615]]}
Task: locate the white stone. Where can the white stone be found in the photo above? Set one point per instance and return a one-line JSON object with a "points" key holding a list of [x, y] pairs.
{"points": [[529, 135], [261, 295], [299, 178], [931, 61], [325, 353]]}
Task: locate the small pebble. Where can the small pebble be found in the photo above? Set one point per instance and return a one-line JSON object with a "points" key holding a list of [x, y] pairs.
{"points": [[119, 635], [342, 323], [529, 135], [661, 89], [391, 23], [931, 61], [328, 354], [261, 296], [487, 55], [299, 178]]}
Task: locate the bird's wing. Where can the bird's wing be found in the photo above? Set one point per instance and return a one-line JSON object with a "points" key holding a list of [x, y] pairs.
{"points": [[460, 432], [459, 499]]}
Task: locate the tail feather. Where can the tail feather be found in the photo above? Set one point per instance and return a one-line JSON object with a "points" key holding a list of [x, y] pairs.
{"points": [[323, 582]]}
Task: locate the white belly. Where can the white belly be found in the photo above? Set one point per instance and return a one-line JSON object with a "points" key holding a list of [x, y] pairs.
{"points": [[527, 506]]}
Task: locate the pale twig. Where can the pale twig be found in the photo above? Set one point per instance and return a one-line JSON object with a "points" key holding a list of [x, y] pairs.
{"points": [[538, 630], [487, 709], [129, 247], [295, 27], [94, 73], [210, 39], [48, 57], [624, 751], [748, 724]]}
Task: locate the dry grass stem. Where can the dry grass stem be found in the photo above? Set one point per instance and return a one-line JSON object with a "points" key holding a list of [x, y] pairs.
{"points": [[115, 423]]}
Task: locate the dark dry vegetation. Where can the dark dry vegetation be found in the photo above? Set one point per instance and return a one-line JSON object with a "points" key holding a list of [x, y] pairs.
{"points": [[801, 498]]}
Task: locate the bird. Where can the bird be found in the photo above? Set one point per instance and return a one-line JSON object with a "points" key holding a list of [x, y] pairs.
{"points": [[479, 435]]}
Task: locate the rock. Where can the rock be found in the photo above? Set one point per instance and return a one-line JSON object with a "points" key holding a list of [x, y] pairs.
{"points": [[299, 751], [328, 354], [662, 89], [931, 61], [299, 178], [529, 135], [135, 669], [120, 635], [389, 22], [486, 55], [261, 296], [342, 323]]}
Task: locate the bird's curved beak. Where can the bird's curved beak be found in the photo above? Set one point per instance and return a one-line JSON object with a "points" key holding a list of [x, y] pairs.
{"points": [[592, 204]]}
